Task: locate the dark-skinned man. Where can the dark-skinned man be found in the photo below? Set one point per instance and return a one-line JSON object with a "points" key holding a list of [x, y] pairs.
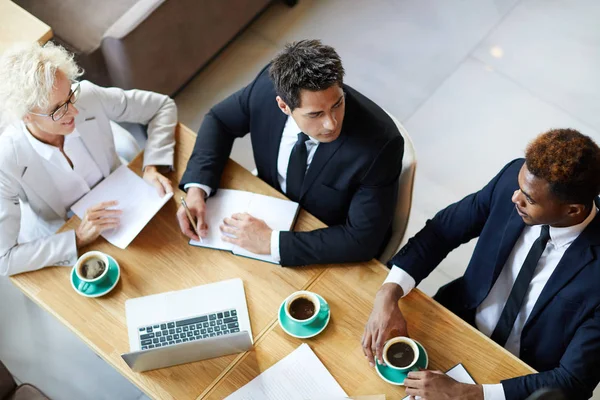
{"points": [[533, 282]]}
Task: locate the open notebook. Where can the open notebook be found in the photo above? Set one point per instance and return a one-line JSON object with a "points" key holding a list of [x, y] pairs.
{"points": [[278, 214]]}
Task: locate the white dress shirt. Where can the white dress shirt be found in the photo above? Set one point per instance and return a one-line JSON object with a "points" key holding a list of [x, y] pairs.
{"points": [[289, 138], [71, 183], [489, 311]]}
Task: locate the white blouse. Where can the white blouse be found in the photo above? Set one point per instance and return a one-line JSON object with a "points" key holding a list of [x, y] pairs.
{"points": [[72, 183]]}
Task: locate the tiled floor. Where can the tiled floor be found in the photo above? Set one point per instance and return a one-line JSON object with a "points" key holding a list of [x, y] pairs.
{"points": [[38, 349], [472, 81]]}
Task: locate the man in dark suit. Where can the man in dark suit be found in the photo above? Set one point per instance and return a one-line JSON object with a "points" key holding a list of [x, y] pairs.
{"points": [[533, 282], [315, 139]]}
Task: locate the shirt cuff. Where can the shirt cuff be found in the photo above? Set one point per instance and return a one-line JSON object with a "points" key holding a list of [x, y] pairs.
{"points": [[207, 189], [493, 392], [275, 246], [399, 276]]}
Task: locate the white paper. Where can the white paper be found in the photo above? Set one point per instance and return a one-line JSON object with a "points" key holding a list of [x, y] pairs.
{"points": [[278, 214], [138, 200], [458, 373], [298, 376]]}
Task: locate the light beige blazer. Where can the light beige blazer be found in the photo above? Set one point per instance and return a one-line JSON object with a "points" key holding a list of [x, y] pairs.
{"points": [[31, 210]]}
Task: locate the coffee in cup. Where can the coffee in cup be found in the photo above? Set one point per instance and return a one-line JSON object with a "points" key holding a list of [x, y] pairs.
{"points": [[302, 307], [400, 353], [92, 267]]}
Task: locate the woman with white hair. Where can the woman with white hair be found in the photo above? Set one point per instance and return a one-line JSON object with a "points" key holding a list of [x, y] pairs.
{"points": [[59, 144]]}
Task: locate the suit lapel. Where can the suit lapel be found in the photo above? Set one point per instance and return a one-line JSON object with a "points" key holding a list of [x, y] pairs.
{"points": [[322, 156], [275, 126], [326, 150], [578, 255], [37, 178], [512, 232], [88, 130]]}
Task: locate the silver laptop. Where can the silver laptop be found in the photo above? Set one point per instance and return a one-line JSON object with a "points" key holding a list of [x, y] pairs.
{"points": [[187, 325]]}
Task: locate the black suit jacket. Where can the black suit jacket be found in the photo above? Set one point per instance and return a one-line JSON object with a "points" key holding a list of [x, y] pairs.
{"points": [[351, 184], [561, 337]]}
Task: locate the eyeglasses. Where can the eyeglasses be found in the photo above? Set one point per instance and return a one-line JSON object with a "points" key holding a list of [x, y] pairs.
{"points": [[62, 110]]}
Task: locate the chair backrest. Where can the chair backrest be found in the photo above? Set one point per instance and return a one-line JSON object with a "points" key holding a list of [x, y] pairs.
{"points": [[405, 193], [7, 383], [125, 144]]}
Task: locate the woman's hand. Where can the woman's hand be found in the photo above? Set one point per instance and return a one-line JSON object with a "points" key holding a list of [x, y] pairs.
{"points": [[97, 219], [160, 182]]}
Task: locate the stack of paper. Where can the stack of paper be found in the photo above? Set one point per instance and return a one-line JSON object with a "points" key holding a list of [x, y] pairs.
{"points": [[299, 376], [138, 200]]}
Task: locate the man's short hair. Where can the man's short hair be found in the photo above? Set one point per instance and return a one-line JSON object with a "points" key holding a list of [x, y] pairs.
{"points": [[569, 161], [307, 64]]}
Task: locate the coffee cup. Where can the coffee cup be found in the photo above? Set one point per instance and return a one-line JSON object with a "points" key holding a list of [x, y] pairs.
{"points": [[400, 353], [91, 269], [303, 307]]}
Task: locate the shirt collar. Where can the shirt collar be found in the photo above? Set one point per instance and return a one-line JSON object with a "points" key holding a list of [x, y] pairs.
{"points": [[43, 149], [565, 236], [292, 126], [73, 134]]}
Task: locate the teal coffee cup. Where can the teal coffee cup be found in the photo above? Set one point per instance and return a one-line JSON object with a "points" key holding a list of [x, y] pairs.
{"points": [[401, 353], [303, 307], [91, 269]]}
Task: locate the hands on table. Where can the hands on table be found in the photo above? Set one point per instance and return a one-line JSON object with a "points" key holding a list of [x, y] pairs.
{"points": [[386, 321], [160, 182], [97, 219], [196, 204], [241, 229], [247, 232], [435, 385]]}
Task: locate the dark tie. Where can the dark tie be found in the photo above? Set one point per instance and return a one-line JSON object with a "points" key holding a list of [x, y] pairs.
{"points": [[297, 168], [519, 289]]}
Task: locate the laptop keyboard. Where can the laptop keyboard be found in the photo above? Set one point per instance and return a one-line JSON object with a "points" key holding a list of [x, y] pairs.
{"points": [[189, 329]]}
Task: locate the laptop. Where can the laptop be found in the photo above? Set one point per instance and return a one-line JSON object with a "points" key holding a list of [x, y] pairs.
{"points": [[187, 325]]}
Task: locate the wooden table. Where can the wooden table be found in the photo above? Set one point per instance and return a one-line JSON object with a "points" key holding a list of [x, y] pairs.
{"points": [[160, 260], [350, 291], [17, 25]]}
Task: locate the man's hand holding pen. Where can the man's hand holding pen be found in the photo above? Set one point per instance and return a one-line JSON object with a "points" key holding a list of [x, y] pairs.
{"points": [[192, 219]]}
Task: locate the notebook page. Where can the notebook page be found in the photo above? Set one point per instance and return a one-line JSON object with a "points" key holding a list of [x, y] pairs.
{"points": [[223, 204], [278, 214], [137, 198], [298, 376]]}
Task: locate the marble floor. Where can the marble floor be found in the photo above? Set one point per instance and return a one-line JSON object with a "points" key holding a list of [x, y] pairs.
{"points": [[471, 80]]}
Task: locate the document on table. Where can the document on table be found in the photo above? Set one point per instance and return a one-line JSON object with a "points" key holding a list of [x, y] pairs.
{"points": [[298, 376], [458, 373], [138, 200]]}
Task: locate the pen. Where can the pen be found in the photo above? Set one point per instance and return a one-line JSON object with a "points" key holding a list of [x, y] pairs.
{"points": [[189, 215]]}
